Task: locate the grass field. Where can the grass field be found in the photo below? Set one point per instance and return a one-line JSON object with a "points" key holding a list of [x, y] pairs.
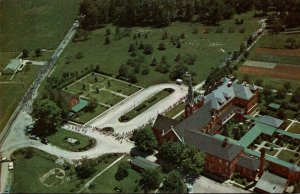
{"points": [[84, 117], [295, 128], [31, 24], [205, 46], [144, 106], [287, 156], [175, 110], [106, 183], [13, 91], [27, 173], [59, 139]]}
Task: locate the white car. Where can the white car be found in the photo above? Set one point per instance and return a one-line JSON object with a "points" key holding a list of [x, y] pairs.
{"points": [[10, 166]]}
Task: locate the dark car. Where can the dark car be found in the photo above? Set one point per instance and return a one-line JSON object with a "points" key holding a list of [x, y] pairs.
{"points": [[44, 141]]}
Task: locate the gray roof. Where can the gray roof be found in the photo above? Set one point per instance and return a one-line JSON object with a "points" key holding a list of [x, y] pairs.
{"points": [[211, 145], [196, 121], [14, 64], [271, 183], [224, 93], [144, 163], [164, 123], [249, 162], [268, 120], [242, 91]]}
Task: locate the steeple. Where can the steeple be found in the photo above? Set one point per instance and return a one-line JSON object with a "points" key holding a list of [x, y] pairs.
{"points": [[190, 96]]}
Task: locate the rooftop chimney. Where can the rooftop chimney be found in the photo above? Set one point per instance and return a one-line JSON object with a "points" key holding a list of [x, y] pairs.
{"points": [[261, 162], [225, 142]]}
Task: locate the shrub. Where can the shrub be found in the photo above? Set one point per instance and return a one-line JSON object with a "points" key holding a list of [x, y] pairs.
{"points": [[242, 30]]}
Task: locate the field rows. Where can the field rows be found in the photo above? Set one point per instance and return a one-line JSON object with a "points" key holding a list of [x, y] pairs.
{"points": [[279, 71]]}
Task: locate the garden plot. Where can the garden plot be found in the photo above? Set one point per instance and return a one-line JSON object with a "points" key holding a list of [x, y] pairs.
{"points": [[106, 90]]}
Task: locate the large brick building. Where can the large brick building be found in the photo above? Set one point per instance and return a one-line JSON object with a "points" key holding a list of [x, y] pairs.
{"points": [[205, 116]]}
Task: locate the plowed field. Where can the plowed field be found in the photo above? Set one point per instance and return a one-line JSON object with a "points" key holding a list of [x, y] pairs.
{"points": [[279, 71]]}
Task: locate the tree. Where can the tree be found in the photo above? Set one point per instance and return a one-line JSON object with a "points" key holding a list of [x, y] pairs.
{"points": [[25, 53], [91, 106], [132, 48], [79, 55], [86, 168], [83, 87], [122, 171], [153, 62], [287, 85], [151, 179], [38, 52], [123, 70], [145, 140], [107, 40], [48, 116], [148, 50], [161, 46], [96, 79], [28, 153], [107, 32], [186, 159], [174, 183]]}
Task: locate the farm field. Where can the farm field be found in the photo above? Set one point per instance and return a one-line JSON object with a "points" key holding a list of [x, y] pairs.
{"points": [[40, 164], [295, 128], [279, 71], [59, 139], [13, 91], [144, 106], [43, 23], [210, 49], [271, 50]]}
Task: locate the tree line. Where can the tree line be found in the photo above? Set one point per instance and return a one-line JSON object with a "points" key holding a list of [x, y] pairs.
{"points": [[158, 13]]}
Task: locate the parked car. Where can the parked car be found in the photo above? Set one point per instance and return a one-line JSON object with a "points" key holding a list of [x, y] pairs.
{"points": [[44, 141], [34, 137], [10, 166]]}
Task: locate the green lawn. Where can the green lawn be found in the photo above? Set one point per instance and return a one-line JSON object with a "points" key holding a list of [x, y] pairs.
{"points": [[87, 116], [12, 92], [59, 139], [205, 46], [276, 40], [144, 106], [175, 110], [106, 183], [27, 173], [31, 24], [272, 153], [295, 128], [287, 156]]}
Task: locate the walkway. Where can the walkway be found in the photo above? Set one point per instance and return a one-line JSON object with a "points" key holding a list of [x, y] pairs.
{"points": [[100, 173]]}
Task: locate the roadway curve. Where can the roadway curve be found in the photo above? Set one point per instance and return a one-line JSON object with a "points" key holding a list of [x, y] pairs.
{"points": [[110, 118]]}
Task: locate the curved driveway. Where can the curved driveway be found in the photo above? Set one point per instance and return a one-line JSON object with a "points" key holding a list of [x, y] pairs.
{"points": [[110, 118]]}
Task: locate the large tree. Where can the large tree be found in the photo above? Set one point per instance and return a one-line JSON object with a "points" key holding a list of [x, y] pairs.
{"points": [[151, 179], [48, 116], [185, 158], [145, 140], [174, 183], [85, 168]]}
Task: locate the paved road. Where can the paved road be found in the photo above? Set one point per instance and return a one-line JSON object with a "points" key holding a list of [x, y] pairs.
{"points": [[206, 185], [110, 118]]}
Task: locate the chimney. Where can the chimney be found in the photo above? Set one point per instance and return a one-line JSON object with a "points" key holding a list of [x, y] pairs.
{"points": [[261, 162], [225, 142]]}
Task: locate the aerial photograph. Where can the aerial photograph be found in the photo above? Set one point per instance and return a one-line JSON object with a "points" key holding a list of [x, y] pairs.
{"points": [[150, 96]]}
